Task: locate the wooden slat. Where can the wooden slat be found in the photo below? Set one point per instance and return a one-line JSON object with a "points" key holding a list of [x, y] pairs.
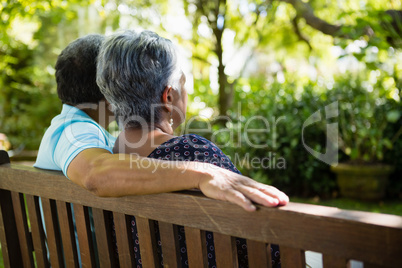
{"points": [[124, 240], [292, 257], [104, 241], [333, 262], [170, 244], [259, 254], [38, 235], [8, 232], [67, 234], [10, 246], [312, 227], [24, 235], [84, 234], [4, 158], [225, 250], [52, 232], [370, 265], [196, 247], [148, 243]]}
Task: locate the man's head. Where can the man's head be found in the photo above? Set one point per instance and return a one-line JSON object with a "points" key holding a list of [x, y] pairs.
{"points": [[76, 71], [134, 69]]}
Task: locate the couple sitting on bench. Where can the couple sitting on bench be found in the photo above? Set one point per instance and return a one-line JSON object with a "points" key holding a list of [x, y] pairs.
{"points": [[139, 76]]}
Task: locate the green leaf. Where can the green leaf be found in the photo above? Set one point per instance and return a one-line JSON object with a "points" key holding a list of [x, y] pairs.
{"points": [[393, 116], [387, 143], [354, 153]]}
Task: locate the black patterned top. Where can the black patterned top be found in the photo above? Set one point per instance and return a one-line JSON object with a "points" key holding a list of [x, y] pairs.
{"points": [[191, 147]]}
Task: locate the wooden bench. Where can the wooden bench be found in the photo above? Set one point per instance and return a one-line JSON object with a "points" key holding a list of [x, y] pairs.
{"points": [[340, 235]]}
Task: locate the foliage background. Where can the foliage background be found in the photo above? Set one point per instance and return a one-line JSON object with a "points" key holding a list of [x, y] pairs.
{"points": [[267, 57]]}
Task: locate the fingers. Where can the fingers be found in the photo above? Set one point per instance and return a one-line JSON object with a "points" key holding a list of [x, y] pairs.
{"points": [[241, 191], [262, 194], [243, 196], [239, 199], [224, 190], [260, 197], [282, 198]]}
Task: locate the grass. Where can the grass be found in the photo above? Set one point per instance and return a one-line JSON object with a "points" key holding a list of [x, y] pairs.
{"points": [[385, 206]]}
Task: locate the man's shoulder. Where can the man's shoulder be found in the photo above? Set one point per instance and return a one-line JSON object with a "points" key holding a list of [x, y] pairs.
{"points": [[69, 133]]}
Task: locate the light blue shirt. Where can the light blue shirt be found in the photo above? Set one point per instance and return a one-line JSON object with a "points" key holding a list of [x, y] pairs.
{"points": [[70, 132]]}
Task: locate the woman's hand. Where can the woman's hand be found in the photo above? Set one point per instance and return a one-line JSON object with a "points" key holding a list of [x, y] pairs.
{"points": [[222, 184]]}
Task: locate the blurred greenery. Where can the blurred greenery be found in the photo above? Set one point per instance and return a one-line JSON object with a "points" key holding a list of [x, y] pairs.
{"points": [[263, 65], [363, 116]]}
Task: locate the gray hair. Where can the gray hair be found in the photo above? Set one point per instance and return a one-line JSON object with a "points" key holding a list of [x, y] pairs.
{"points": [[133, 70]]}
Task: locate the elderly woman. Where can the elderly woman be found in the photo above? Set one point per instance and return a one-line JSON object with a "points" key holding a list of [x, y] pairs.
{"points": [[139, 76]]}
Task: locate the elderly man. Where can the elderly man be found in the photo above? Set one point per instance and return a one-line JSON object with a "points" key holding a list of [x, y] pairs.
{"points": [[78, 144]]}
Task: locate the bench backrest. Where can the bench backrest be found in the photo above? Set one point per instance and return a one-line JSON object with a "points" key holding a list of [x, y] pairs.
{"points": [[340, 235]]}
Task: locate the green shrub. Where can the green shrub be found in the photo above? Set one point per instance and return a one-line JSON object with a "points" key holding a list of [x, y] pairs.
{"points": [[28, 100], [286, 107]]}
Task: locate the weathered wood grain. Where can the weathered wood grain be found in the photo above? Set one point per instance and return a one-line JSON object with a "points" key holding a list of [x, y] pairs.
{"points": [[67, 233], [84, 234], [259, 254], [38, 235], [225, 250], [292, 257], [8, 232], [196, 247], [52, 232], [124, 240], [333, 232], [333, 262], [170, 245], [104, 239], [148, 243], [24, 234]]}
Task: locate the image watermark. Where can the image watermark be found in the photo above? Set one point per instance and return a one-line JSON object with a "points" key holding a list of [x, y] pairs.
{"points": [[234, 136], [271, 161], [330, 156]]}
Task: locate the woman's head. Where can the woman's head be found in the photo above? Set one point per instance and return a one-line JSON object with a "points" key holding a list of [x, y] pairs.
{"points": [[134, 71]]}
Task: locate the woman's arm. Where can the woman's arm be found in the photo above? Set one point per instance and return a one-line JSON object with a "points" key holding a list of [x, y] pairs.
{"points": [[106, 174]]}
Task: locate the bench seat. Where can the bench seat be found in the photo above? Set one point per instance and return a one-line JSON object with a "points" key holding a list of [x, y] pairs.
{"points": [[339, 235]]}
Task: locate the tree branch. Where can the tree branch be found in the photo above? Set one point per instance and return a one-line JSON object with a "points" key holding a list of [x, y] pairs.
{"points": [[305, 11], [196, 57], [299, 34]]}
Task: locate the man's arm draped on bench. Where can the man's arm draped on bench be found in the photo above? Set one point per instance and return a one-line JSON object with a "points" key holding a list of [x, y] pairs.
{"points": [[78, 144]]}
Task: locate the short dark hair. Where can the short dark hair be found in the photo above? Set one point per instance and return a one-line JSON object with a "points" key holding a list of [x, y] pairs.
{"points": [[76, 71], [133, 70]]}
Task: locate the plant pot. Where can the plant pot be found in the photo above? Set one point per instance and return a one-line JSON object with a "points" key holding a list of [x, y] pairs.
{"points": [[366, 182]]}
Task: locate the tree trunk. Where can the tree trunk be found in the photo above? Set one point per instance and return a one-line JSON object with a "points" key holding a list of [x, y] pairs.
{"points": [[225, 92]]}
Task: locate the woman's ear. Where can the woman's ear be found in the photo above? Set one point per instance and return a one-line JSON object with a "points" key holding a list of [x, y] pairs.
{"points": [[167, 98]]}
